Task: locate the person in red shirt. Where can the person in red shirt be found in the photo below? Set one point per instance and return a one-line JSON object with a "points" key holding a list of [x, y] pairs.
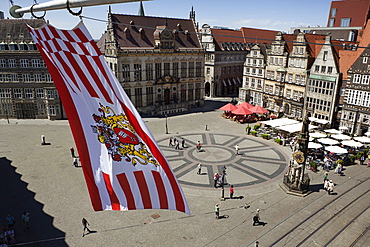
{"points": [[231, 191]]}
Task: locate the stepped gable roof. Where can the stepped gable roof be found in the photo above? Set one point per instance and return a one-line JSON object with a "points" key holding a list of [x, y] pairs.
{"points": [[226, 36], [258, 36], [16, 30], [133, 31]]}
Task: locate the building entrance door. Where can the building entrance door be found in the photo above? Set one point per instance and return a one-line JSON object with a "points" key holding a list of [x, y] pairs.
{"points": [[166, 96], [207, 89], [25, 110]]}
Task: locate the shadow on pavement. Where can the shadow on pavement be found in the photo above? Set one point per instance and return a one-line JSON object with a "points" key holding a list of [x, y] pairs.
{"points": [[16, 199], [316, 187]]}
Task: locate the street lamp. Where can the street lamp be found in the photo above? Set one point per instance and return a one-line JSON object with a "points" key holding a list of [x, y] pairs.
{"points": [[166, 123]]}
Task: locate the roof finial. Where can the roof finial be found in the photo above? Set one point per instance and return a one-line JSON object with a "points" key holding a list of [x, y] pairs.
{"points": [[192, 14], [141, 9]]}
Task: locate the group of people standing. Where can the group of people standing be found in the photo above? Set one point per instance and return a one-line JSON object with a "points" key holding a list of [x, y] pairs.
{"points": [[175, 142], [7, 235]]}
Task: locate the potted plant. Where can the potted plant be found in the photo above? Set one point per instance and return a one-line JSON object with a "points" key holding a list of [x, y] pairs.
{"points": [[265, 136], [254, 133], [313, 165], [359, 155], [256, 126], [352, 159], [278, 141], [248, 129]]}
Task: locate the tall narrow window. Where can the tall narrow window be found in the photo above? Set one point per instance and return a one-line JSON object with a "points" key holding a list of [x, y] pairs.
{"points": [[183, 69], [167, 68], [126, 72], [325, 57], [175, 70], [333, 12], [137, 72], [198, 69], [149, 71], [191, 69], [158, 70], [138, 97], [149, 96]]}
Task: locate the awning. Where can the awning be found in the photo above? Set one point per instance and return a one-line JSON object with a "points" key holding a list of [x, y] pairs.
{"points": [[280, 122], [336, 149], [291, 128], [328, 141], [239, 80], [352, 143], [224, 83], [229, 82], [234, 81]]}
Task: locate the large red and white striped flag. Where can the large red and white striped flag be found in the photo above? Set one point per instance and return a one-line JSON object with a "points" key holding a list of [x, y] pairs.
{"points": [[122, 163]]}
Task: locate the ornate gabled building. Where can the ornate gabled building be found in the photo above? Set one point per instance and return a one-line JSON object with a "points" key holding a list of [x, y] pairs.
{"points": [[288, 60], [356, 109], [158, 61], [324, 83], [254, 75], [26, 87], [226, 51]]}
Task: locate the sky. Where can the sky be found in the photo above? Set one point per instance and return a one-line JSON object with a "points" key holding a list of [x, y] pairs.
{"points": [[264, 14]]}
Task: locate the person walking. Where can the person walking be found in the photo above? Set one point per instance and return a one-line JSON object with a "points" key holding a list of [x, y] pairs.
{"points": [[72, 150], [231, 191], [10, 221], [217, 210], [75, 161], [25, 219], [170, 142], [326, 176], [326, 184], [183, 143], [85, 224], [177, 145], [237, 149], [199, 169], [215, 179], [330, 187], [256, 218]]}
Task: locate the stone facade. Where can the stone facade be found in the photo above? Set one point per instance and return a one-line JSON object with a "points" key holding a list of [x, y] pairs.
{"points": [[356, 108], [158, 61], [324, 83], [26, 87]]}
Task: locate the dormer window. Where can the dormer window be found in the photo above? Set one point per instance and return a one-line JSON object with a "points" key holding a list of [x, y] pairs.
{"points": [[142, 33], [127, 32]]}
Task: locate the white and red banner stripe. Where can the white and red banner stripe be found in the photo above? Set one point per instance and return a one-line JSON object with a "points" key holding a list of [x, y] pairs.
{"points": [[122, 163]]}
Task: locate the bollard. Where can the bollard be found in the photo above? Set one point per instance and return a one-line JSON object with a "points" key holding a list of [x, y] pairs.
{"points": [[222, 193], [206, 127], [43, 140]]}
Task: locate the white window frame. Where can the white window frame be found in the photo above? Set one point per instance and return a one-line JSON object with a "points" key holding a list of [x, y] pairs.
{"points": [[12, 63], [24, 63], [356, 78]]}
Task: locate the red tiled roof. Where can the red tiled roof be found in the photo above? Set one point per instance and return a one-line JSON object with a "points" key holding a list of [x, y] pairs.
{"points": [[347, 58], [260, 36], [148, 26], [226, 35]]}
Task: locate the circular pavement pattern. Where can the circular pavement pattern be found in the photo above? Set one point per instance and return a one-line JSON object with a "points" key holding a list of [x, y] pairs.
{"points": [[258, 161]]}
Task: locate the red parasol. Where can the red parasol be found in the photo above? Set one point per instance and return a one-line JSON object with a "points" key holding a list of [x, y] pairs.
{"points": [[246, 105], [228, 107], [258, 109], [240, 110]]}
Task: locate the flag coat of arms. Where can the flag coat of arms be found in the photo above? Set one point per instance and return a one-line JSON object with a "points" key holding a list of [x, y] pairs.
{"points": [[122, 163]]}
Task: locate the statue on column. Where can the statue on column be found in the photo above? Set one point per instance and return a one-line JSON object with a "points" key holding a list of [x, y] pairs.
{"points": [[295, 179]]}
